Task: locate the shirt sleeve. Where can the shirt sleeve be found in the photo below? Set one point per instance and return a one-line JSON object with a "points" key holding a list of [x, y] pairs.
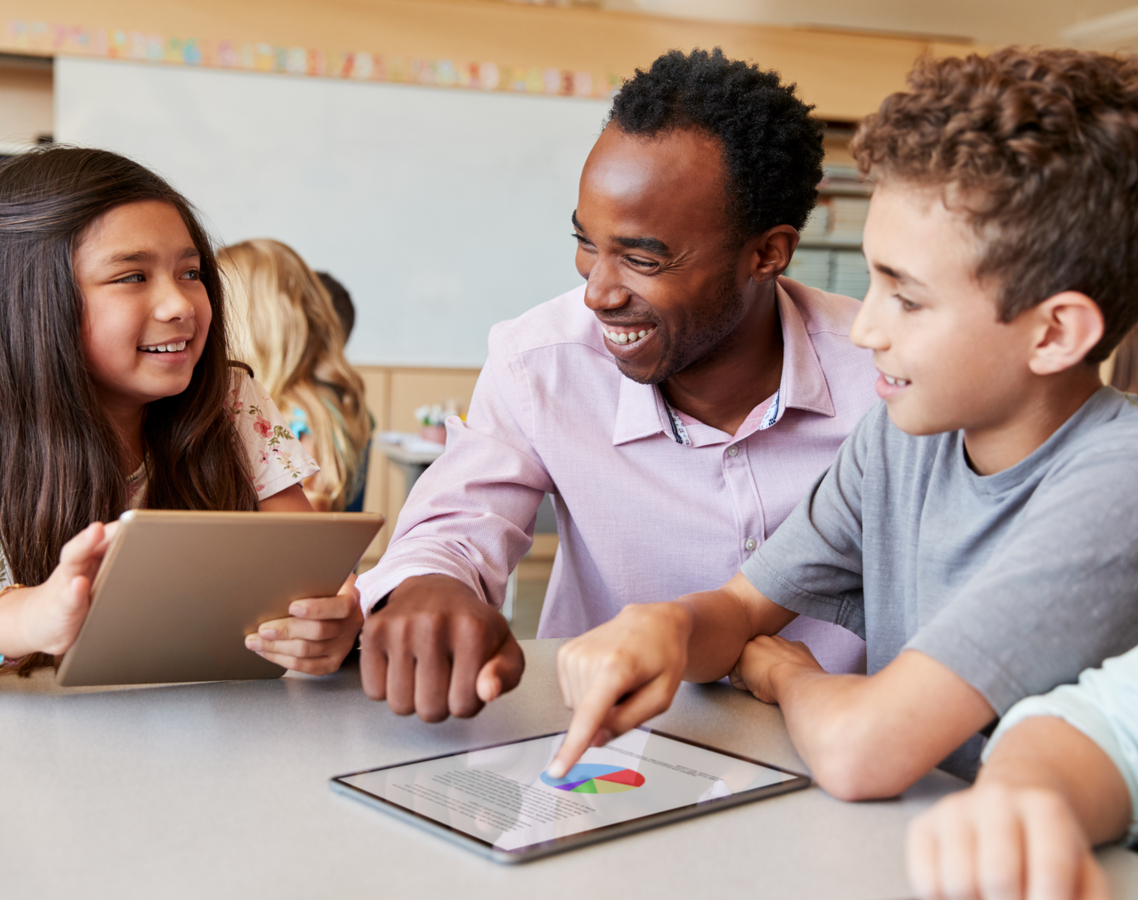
{"points": [[812, 564], [1057, 594], [1104, 707], [276, 458], [471, 515]]}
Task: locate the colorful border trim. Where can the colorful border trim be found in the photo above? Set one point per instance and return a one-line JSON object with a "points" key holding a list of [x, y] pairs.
{"points": [[358, 65]]}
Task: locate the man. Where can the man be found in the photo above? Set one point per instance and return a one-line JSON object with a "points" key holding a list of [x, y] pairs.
{"points": [[676, 407]]}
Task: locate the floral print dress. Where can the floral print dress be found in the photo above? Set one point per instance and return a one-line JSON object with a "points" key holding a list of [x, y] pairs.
{"points": [[276, 458]]}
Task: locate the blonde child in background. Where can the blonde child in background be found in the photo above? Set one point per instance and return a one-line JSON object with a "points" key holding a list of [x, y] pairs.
{"points": [[117, 392], [290, 333]]}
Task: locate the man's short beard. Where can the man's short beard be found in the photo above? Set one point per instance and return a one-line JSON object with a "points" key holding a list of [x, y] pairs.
{"points": [[699, 346]]}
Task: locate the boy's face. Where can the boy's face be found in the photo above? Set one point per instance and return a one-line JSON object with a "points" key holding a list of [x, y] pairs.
{"points": [[946, 360]]}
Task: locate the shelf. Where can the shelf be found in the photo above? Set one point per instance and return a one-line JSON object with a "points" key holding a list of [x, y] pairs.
{"points": [[830, 243]]}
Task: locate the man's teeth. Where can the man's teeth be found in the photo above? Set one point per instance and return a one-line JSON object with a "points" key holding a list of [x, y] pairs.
{"points": [[896, 382], [164, 348], [630, 337]]}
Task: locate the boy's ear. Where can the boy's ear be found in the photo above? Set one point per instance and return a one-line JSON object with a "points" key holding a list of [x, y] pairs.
{"points": [[1068, 325], [769, 254]]}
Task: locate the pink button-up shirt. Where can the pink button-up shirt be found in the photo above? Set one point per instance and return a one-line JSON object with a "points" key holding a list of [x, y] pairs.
{"points": [[649, 505]]}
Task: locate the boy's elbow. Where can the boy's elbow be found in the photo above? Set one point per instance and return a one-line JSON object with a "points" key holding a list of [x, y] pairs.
{"points": [[852, 763]]}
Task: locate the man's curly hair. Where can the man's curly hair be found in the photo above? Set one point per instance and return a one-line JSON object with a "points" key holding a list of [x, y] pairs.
{"points": [[1040, 150], [772, 146]]}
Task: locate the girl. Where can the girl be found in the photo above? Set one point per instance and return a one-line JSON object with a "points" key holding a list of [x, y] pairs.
{"points": [[116, 391], [287, 329]]}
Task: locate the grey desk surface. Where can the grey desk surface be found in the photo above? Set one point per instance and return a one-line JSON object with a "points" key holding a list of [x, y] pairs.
{"points": [[221, 790]]}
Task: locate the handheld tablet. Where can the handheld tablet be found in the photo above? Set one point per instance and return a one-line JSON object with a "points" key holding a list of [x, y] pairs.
{"points": [[178, 591], [499, 801]]}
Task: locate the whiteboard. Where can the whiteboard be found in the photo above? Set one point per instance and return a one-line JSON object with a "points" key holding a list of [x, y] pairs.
{"points": [[442, 211]]}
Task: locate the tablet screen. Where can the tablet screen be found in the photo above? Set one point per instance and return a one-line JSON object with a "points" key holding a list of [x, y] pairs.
{"points": [[502, 798]]}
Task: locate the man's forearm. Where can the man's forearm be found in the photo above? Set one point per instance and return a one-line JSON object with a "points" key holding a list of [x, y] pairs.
{"points": [[1049, 753]]}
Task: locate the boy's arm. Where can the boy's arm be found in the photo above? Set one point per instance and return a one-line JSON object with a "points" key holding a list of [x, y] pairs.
{"points": [[1047, 793], [626, 671], [865, 737]]}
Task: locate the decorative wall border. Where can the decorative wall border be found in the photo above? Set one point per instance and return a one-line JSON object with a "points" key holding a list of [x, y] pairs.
{"points": [[352, 65]]}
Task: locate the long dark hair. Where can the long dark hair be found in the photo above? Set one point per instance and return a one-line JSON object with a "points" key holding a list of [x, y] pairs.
{"points": [[61, 462]]}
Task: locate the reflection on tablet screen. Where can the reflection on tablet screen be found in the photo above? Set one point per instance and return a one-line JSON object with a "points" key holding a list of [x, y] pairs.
{"points": [[502, 795]]}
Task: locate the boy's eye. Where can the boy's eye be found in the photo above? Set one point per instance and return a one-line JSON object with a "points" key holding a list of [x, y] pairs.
{"points": [[907, 304]]}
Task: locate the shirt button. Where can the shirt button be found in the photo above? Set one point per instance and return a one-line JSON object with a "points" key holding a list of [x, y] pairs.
{"points": [[733, 450], [750, 544]]}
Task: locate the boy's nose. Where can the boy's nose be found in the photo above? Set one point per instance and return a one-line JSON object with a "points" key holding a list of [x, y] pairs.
{"points": [[865, 331]]}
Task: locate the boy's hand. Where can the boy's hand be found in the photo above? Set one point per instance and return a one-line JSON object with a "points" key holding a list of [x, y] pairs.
{"points": [[765, 659], [620, 674], [51, 614], [997, 842], [317, 635], [438, 649]]}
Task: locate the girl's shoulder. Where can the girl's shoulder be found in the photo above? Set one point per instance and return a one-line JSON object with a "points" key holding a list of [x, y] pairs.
{"points": [[276, 457]]}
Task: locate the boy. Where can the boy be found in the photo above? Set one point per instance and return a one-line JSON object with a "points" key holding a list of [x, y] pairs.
{"points": [[978, 527]]}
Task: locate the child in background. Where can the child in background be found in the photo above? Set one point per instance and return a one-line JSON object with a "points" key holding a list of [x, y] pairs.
{"points": [[287, 329], [1060, 775], [116, 392], [978, 527]]}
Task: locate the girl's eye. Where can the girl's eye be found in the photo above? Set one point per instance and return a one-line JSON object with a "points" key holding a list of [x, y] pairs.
{"points": [[193, 275], [136, 278]]}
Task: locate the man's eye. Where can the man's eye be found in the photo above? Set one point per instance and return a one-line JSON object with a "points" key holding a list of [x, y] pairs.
{"points": [[641, 263], [582, 240]]}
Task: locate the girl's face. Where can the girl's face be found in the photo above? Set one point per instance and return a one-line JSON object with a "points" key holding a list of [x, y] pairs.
{"points": [[146, 313]]}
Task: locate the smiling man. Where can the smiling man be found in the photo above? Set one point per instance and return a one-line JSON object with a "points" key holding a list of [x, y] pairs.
{"points": [[676, 407]]}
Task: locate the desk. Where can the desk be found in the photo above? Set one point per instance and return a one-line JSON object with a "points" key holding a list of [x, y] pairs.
{"points": [[220, 790]]}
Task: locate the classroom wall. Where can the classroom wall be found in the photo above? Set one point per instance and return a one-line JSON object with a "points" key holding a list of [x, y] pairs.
{"points": [[844, 74]]}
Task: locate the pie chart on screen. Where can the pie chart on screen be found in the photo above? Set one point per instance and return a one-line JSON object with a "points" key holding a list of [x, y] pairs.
{"points": [[591, 778]]}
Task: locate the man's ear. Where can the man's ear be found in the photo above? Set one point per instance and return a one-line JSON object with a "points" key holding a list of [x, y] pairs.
{"points": [[1068, 325], [769, 253]]}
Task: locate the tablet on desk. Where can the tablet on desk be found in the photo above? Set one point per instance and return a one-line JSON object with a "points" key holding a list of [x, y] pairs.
{"points": [[500, 802], [178, 591]]}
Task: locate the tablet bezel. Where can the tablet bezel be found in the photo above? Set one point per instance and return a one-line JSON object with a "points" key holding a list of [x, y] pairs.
{"points": [[130, 634], [571, 841]]}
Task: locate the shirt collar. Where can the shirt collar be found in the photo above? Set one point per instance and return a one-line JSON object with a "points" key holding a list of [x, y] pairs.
{"points": [[803, 384], [641, 411]]}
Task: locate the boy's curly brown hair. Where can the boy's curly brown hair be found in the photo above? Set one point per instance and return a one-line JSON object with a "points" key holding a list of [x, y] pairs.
{"points": [[1040, 150]]}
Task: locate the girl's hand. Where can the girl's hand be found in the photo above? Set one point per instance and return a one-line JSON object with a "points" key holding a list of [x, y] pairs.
{"points": [[48, 617], [317, 635]]}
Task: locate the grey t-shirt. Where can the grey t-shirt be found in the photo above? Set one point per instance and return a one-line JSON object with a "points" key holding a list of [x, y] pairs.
{"points": [[1015, 581]]}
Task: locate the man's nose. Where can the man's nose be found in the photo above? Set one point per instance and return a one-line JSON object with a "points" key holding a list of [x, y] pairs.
{"points": [[603, 289]]}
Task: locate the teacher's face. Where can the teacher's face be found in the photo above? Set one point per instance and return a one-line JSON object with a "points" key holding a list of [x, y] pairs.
{"points": [[665, 278]]}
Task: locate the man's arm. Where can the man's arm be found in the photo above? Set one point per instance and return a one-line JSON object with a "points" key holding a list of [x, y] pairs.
{"points": [[865, 737], [1046, 795], [438, 649], [626, 671], [439, 646]]}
